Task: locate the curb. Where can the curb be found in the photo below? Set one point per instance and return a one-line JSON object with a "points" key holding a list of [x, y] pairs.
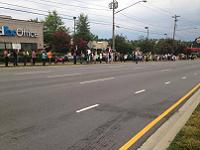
{"points": [[163, 137]]}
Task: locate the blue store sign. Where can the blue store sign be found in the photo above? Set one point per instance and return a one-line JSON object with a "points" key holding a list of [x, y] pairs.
{"points": [[5, 31]]}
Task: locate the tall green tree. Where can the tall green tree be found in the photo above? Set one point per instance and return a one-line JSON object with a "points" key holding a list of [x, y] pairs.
{"points": [[83, 28], [54, 24]]}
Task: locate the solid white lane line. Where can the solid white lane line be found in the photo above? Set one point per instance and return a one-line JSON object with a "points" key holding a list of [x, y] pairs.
{"points": [[168, 82], [87, 108], [64, 75], [184, 78], [141, 91], [33, 72], [97, 80]]}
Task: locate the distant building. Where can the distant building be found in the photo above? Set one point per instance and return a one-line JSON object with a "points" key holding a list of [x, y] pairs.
{"points": [[20, 34], [103, 45], [197, 40], [195, 46]]}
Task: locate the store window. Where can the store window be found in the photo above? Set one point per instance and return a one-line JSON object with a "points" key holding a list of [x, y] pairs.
{"points": [[29, 46], [8, 45], [2, 46]]}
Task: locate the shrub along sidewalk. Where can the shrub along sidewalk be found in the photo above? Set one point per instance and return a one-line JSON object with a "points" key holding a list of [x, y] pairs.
{"points": [[189, 136]]}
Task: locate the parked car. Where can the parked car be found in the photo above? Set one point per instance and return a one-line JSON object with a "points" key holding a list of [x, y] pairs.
{"points": [[60, 59]]}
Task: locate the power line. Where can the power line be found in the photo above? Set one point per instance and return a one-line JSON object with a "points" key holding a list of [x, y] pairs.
{"points": [[188, 28], [60, 13], [45, 4], [154, 9], [70, 5], [89, 3], [24, 11], [35, 13], [169, 12], [29, 8], [140, 31], [161, 9], [45, 11], [93, 22], [138, 20]]}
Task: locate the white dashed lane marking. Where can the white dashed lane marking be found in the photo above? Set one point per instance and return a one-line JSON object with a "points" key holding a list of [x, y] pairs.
{"points": [[87, 108], [140, 91], [184, 78], [168, 82]]}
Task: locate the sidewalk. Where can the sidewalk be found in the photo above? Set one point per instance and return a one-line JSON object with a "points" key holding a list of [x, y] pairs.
{"points": [[2, 65], [37, 64], [163, 137]]}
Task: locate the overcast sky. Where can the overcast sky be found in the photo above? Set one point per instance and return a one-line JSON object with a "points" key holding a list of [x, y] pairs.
{"points": [[156, 14]]}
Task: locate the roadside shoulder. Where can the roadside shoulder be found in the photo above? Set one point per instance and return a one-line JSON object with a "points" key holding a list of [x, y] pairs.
{"points": [[162, 138]]}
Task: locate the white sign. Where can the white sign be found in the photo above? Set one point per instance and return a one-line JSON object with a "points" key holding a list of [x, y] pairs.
{"points": [[16, 46]]}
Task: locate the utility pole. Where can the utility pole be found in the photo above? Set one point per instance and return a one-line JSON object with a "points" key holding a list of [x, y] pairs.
{"points": [[175, 25], [113, 5]]}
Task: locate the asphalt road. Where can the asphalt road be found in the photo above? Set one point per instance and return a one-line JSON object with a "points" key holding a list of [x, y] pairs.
{"points": [[89, 107]]}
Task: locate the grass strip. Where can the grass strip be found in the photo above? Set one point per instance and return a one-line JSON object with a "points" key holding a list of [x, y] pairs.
{"points": [[189, 136]]}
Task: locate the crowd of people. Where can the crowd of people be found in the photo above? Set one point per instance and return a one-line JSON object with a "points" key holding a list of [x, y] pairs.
{"points": [[87, 57], [26, 55]]}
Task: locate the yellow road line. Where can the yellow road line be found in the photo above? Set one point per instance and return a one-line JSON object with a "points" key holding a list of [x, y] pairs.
{"points": [[132, 141]]}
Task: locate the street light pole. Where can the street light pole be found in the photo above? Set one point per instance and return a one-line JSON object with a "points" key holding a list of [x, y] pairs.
{"points": [[113, 33], [74, 25], [147, 32], [165, 35], [131, 6]]}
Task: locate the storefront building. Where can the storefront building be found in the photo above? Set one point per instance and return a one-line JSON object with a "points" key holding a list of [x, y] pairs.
{"points": [[20, 34]]}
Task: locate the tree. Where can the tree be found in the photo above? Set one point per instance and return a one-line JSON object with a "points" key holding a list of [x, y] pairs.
{"points": [[53, 23], [122, 45], [145, 45], [54, 29], [61, 41], [165, 46], [83, 28], [94, 37]]}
